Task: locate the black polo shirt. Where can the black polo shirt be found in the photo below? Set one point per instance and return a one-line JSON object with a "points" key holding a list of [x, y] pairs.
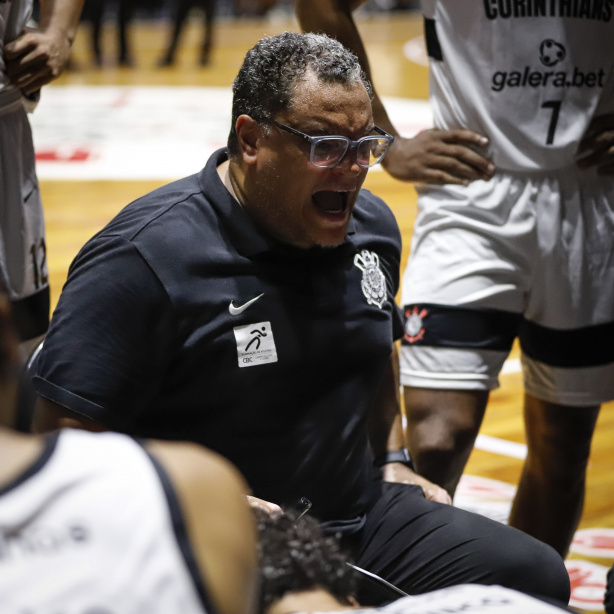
{"points": [[182, 320]]}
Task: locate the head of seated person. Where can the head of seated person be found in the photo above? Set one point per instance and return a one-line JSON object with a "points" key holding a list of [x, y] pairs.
{"points": [[301, 569]]}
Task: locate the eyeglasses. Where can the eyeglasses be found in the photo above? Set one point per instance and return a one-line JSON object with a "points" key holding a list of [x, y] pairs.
{"points": [[328, 151]]}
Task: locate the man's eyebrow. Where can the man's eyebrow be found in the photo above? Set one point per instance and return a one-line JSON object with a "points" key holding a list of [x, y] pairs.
{"points": [[325, 132]]}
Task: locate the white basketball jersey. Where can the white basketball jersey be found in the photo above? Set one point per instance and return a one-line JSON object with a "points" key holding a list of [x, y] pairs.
{"points": [[93, 528], [528, 74], [14, 15]]}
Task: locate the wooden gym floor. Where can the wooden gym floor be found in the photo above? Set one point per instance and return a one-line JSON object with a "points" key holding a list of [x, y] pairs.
{"points": [[77, 209]]}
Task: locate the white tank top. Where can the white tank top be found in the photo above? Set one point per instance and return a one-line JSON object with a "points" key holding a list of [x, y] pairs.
{"points": [[528, 74], [14, 15], [93, 527]]}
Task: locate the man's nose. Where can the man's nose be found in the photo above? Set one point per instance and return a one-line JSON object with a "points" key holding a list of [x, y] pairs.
{"points": [[349, 162]]}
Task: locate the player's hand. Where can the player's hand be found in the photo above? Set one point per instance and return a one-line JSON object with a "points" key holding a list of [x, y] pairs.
{"points": [[266, 506], [36, 58], [597, 146], [439, 156], [401, 474]]}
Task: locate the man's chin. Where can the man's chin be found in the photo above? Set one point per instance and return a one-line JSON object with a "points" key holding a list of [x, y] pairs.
{"points": [[330, 241]]}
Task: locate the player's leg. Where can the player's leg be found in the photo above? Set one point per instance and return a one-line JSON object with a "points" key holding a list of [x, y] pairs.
{"points": [[180, 15], [568, 357], [463, 295], [125, 17], [93, 12], [209, 7], [441, 429], [420, 545], [23, 255], [550, 496]]}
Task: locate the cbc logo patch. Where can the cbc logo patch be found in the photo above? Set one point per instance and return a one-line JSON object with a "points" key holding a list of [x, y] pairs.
{"points": [[255, 344], [551, 52]]}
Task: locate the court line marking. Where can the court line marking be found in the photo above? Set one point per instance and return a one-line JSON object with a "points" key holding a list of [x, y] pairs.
{"points": [[501, 446]]}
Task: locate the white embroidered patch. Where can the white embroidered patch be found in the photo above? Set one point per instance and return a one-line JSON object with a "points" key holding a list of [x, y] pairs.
{"points": [[255, 344], [373, 282]]}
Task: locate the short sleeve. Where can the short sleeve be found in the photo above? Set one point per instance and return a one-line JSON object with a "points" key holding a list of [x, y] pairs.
{"points": [[108, 344]]}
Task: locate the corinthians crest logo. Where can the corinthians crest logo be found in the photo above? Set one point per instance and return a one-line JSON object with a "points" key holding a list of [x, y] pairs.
{"points": [[373, 282]]}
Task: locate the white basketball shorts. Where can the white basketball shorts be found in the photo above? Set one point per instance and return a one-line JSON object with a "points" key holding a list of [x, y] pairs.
{"points": [[527, 256], [23, 263]]}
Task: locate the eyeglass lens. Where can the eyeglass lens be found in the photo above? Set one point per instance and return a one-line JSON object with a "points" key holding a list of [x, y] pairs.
{"points": [[329, 151]]}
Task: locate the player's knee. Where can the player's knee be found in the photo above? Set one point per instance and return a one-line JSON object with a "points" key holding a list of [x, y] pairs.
{"points": [[533, 567], [444, 442]]}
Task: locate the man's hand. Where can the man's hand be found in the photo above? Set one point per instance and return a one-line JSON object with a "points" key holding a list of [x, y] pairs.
{"points": [[399, 473], [439, 156], [597, 147], [36, 58], [266, 506]]}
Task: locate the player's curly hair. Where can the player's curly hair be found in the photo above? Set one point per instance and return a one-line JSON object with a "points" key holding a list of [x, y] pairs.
{"points": [[297, 556], [265, 83]]}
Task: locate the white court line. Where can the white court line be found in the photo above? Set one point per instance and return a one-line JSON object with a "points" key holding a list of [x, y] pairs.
{"points": [[501, 446], [511, 365]]}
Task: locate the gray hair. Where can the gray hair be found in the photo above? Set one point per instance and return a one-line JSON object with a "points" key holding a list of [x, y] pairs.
{"points": [[266, 81]]}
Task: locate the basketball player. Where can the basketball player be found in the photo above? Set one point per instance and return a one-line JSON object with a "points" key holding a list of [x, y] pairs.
{"points": [[29, 59], [527, 252], [97, 522]]}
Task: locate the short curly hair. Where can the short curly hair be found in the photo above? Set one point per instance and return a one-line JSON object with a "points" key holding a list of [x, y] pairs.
{"points": [[271, 69], [296, 556]]}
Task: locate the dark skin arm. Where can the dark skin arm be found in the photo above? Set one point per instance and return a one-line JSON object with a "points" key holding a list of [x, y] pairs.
{"points": [[49, 416], [220, 526], [40, 54], [432, 156], [386, 433]]}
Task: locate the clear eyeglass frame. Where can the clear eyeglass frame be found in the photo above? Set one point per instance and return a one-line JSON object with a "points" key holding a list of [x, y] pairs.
{"points": [[329, 150]]}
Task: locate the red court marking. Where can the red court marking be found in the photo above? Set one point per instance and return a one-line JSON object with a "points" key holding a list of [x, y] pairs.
{"points": [[62, 155], [594, 543], [587, 584]]}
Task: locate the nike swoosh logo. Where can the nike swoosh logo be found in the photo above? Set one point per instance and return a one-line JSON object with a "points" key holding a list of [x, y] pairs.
{"points": [[235, 311]]}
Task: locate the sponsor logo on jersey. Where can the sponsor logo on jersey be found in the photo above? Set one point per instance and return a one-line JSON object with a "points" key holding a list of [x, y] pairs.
{"points": [[373, 282], [41, 541], [414, 324], [551, 53], [597, 10]]}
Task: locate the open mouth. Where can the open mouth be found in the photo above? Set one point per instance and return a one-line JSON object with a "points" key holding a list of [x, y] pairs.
{"points": [[331, 203]]}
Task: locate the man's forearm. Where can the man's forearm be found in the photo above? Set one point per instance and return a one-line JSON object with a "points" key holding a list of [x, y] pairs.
{"points": [[334, 17], [385, 423], [61, 15]]}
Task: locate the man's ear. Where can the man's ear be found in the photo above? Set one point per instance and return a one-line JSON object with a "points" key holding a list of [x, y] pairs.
{"points": [[249, 134]]}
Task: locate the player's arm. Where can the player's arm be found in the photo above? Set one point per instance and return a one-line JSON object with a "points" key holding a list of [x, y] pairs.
{"points": [[432, 156], [386, 433], [597, 147], [39, 55], [219, 524], [49, 416]]}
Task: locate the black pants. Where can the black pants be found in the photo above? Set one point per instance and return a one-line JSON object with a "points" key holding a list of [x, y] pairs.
{"points": [[420, 545], [609, 592]]}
